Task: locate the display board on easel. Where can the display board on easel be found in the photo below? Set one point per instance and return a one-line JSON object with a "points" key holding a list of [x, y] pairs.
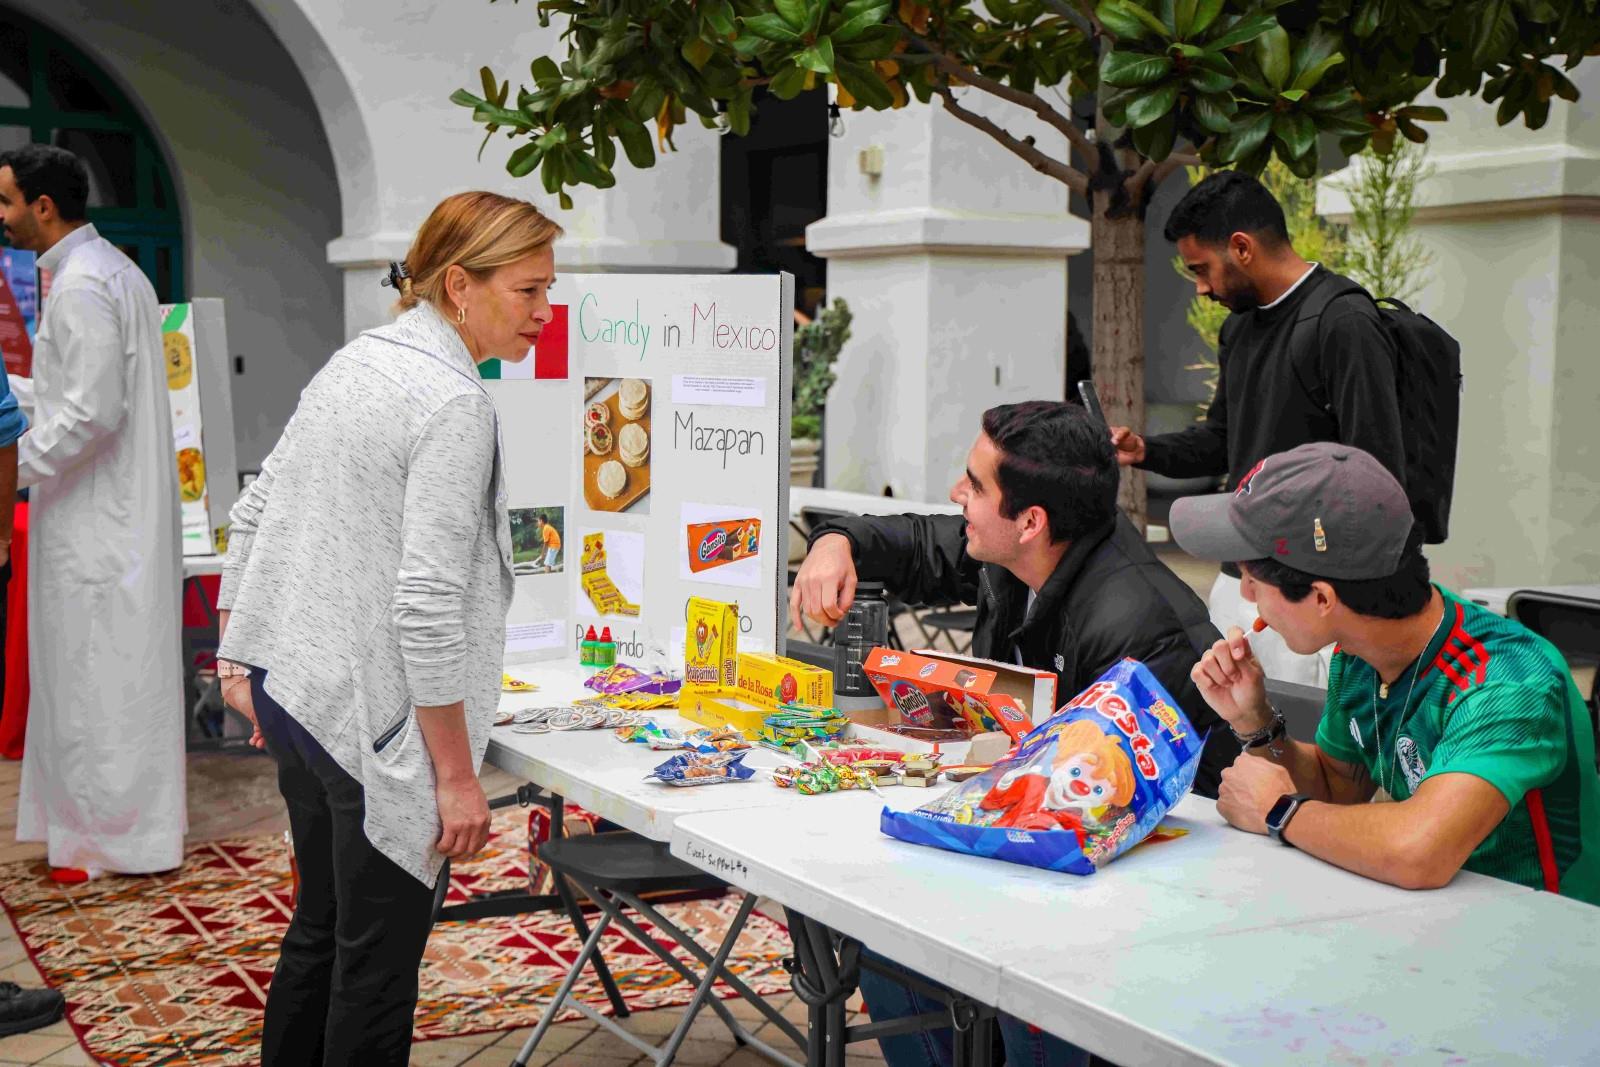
{"points": [[646, 444], [194, 344]]}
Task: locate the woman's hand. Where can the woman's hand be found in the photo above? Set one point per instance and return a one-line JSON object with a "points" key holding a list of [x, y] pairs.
{"points": [[236, 695], [464, 813]]}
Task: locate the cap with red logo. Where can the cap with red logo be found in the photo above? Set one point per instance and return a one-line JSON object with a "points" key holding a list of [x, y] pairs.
{"points": [[1327, 509]]}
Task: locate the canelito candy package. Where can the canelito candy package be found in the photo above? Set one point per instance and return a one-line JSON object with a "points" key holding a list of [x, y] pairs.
{"points": [[1081, 788]]}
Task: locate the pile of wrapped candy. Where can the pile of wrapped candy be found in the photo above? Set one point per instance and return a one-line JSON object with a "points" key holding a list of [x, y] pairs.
{"points": [[634, 690], [701, 768], [822, 777], [663, 739], [794, 726]]}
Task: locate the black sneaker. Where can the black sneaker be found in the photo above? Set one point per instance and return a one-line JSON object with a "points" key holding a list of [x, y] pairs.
{"points": [[22, 1009]]}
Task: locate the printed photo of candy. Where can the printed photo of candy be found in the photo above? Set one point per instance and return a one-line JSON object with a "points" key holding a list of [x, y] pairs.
{"points": [[615, 465]]}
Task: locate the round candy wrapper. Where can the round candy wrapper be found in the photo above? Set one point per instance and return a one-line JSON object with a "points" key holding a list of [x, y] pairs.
{"points": [[1079, 789]]}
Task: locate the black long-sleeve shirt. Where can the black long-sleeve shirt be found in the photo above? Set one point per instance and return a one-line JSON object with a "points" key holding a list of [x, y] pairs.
{"points": [[1274, 394]]}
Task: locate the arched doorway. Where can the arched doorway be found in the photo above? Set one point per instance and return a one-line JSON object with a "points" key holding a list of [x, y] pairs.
{"points": [[51, 93]]}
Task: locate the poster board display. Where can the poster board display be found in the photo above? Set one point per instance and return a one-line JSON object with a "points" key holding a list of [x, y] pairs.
{"points": [[194, 341], [646, 444]]}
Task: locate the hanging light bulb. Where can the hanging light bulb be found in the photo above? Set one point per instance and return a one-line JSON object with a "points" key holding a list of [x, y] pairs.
{"points": [[835, 121]]}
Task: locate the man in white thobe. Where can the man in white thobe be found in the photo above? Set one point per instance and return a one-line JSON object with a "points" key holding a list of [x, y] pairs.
{"points": [[103, 767]]}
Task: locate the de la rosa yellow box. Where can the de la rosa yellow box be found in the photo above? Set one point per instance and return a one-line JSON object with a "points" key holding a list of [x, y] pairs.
{"points": [[771, 680], [723, 709], [943, 690]]}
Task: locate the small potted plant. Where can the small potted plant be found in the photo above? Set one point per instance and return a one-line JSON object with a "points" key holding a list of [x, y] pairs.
{"points": [[816, 346]]}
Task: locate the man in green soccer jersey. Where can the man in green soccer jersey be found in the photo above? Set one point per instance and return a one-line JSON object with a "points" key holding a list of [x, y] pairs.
{"points": [[1469, 721]]}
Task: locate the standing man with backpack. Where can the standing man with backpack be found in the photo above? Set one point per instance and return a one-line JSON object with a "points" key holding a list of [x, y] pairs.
{"points": [[1307, 355]]}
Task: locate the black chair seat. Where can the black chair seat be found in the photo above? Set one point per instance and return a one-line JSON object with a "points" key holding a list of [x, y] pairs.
{"points": [[963, 619], [625, 862]]}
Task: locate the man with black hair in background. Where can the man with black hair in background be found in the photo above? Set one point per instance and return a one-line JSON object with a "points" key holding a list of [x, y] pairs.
{"points": [[1334, 381], [1062, 581]]}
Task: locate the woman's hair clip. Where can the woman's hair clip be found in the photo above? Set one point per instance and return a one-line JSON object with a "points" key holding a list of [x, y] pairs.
{"points": [[397, 274]]}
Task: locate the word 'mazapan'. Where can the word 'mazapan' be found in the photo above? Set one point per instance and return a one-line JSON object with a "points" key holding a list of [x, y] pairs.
{"points": [[724, 439], [1104, 699]]}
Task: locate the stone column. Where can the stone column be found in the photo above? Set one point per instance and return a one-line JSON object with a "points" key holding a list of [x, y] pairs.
{"points": [[953, 259], [1512, 220], [404, 146]]}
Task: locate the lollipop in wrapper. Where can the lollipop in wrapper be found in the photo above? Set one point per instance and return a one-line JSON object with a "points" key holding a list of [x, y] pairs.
{"points": [[1079, 789]]}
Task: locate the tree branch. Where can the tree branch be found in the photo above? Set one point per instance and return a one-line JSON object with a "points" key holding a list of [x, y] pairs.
{"points": [[1078, 18], [1151, 174], [1178, 159], [1032, 101], [1040, 162]]}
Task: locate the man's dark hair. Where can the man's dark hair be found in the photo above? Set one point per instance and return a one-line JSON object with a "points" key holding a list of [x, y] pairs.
{"points": [[45, 170], [1224, 204], [1055, 456], [1399, 596]]}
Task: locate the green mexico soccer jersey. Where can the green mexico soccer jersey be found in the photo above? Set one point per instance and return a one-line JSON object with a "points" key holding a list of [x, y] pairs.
{"points": [[1494, 700]]}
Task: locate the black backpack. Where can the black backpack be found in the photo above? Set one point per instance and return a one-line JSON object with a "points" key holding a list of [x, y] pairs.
{"points": [[1428, 386]]}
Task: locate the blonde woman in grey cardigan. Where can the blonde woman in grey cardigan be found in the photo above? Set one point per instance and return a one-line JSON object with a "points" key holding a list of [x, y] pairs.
{"points": [[363, 613]]}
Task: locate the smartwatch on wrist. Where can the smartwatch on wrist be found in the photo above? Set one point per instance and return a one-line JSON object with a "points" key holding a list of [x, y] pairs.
{"points": [[1284, 810]]}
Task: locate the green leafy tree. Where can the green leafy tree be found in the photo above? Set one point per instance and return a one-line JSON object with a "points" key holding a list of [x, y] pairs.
{"points": [[817, 345], [1174, 83], [1384, 253]]}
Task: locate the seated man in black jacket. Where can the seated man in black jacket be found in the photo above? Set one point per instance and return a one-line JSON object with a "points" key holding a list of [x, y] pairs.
{"points": [[1062, 582], [1061, 579]]}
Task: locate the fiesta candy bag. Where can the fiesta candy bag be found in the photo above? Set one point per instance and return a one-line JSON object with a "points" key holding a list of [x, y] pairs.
{"points": [[1079, 789]]}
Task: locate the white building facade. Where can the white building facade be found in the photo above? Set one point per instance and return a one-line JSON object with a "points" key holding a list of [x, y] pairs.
{"points": [[307, 139]]}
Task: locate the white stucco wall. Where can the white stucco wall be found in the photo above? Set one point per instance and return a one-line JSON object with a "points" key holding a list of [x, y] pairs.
{"points": [[954, 262], [1512, 220], [382, 71], [254, 176]]}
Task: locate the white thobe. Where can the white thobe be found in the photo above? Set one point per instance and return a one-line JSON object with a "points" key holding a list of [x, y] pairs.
{"points": [[103, 767]]}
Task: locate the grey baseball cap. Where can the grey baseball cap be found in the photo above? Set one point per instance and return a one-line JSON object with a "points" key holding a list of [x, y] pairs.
{"points": [[1326, 509]]}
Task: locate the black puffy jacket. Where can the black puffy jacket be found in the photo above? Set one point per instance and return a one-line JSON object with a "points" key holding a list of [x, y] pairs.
{"points": [[1109, 598]]}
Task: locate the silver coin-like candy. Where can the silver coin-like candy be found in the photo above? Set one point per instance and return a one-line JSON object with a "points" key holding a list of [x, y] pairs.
{"points": [[530, 728]]}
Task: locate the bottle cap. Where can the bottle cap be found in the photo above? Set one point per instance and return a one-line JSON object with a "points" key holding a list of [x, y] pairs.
{"points": [[605, 635], [872, 589], [590, 635]]}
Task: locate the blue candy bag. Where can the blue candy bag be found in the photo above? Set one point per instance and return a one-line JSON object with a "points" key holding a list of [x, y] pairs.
{"points": [[1079, 789]]}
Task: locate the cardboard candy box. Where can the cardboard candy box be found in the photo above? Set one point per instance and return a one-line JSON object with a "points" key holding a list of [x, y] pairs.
{"points": [[771, 680], [711, 646], [940, 690]]}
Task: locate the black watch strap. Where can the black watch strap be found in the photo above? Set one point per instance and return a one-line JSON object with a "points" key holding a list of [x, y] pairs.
{"points": [[1282, 812]]}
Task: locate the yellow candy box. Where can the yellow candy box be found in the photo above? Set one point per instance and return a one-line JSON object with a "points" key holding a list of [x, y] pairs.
{"points": [[770, 680]]}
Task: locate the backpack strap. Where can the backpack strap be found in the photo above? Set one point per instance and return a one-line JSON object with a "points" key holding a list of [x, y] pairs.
{"points": [[1315, 307]]}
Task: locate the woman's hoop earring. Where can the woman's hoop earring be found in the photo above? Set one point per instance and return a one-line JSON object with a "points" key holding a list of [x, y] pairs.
{"points": [[461, 315]]}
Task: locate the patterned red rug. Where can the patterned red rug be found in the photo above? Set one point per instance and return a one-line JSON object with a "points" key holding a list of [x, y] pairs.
{"points": [[174, 969]]}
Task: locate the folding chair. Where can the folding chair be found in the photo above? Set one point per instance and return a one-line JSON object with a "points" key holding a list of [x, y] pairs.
{"points": [[614, 870]]}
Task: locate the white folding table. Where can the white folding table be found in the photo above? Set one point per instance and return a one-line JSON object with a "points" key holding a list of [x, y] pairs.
{"points": [[1014, 936]]}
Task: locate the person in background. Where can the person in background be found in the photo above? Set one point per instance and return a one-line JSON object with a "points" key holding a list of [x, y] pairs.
{"points": [[363, 612], [551, 540], [21, 1009], [1277, 387], [103, 767], [1468, 720], [1062, 581]]}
